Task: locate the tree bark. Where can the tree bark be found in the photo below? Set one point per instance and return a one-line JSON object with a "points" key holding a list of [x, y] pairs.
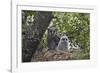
{"points": [[35, 32]]}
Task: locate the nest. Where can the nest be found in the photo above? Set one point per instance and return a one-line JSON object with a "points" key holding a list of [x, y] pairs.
{"points": [[52, 55]]}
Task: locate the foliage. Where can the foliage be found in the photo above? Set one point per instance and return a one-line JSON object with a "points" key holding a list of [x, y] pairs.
{"points": [[75, 25]]}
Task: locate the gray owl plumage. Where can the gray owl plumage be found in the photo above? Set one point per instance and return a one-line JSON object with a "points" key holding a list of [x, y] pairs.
{"points": [[63, 44]]}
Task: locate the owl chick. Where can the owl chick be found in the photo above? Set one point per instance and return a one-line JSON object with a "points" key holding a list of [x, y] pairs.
{"points": [[63, 45]]}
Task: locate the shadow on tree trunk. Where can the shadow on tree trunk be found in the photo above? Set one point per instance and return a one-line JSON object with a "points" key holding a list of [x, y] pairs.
{"points": [[34, 34]]}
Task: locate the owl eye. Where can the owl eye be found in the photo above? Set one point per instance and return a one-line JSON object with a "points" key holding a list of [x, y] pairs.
{"points": [[64, 39]]}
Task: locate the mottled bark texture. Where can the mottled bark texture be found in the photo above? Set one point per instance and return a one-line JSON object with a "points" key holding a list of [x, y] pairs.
{"points": [[35, 33]]}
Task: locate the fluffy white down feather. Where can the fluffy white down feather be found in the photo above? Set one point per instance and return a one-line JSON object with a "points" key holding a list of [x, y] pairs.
{"points": [[63, 44]]}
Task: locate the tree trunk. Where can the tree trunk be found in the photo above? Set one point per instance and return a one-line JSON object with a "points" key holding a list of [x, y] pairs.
{"points": [[35, 32]]}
